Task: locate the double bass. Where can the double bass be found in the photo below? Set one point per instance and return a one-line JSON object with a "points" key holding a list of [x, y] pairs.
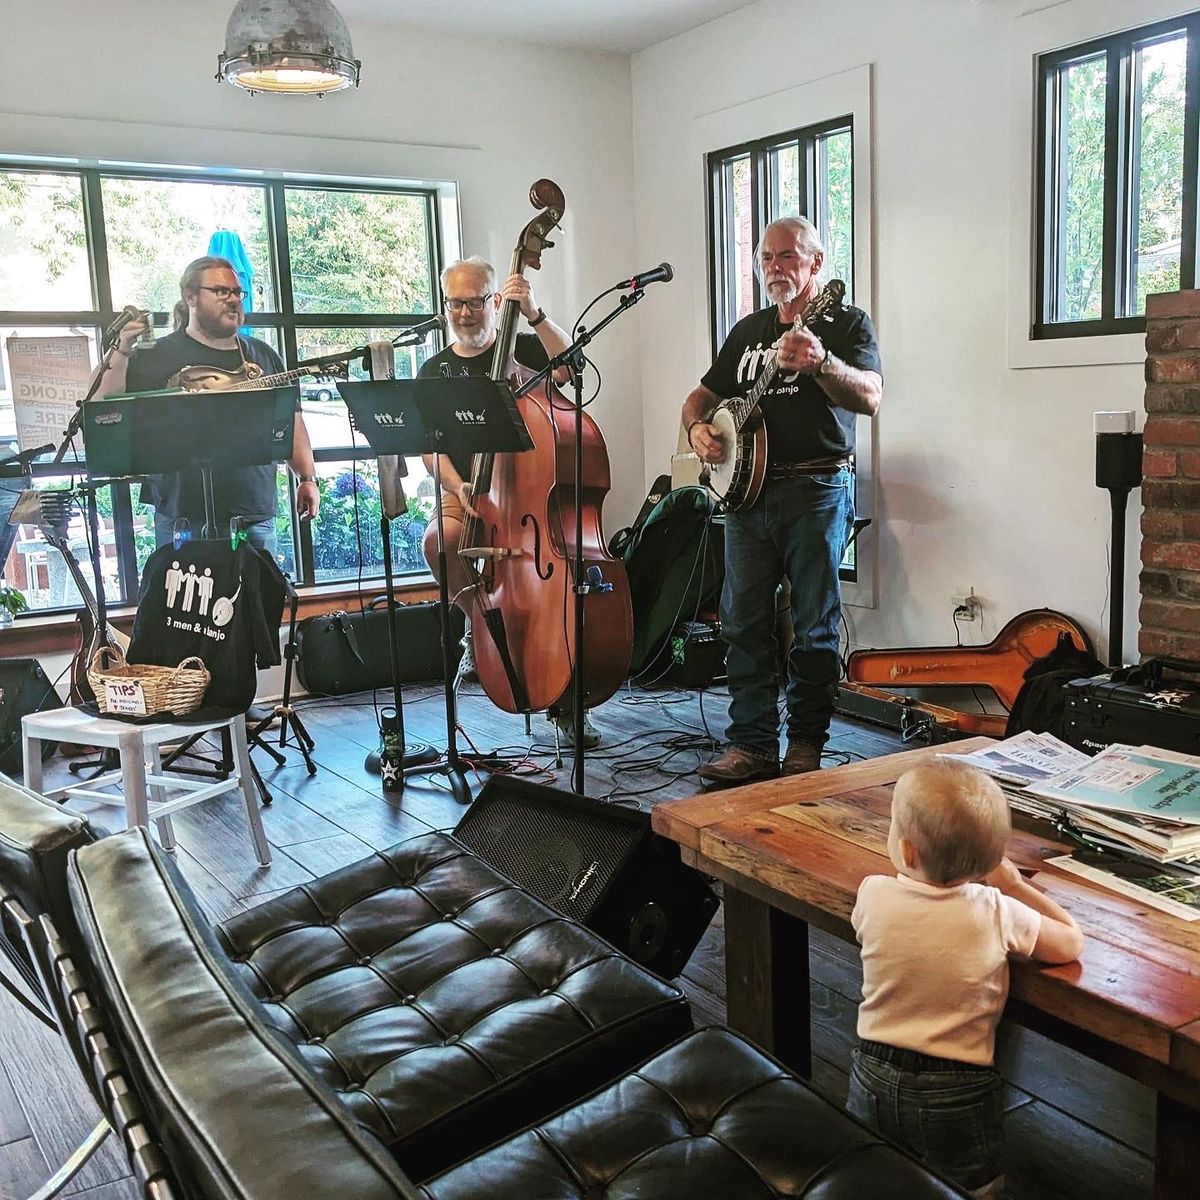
{"points": [[519, 552]]}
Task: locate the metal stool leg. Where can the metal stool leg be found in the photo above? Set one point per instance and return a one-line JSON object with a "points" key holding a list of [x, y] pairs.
{"points": [[74, 1164], [241, 754]]}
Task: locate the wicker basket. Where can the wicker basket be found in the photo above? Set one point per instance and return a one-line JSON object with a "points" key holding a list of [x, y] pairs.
{"points": [[177, 690]]}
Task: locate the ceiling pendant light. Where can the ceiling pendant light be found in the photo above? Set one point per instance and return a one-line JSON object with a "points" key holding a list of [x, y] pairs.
{"points": [[297, 46]]}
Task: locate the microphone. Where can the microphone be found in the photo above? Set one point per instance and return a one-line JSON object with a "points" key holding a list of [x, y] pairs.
{"points": [[419, 330], [129, 313], [660, 274]]}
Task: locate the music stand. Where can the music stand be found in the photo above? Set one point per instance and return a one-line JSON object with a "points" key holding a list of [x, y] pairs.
{"points": [[434, 416], [149, 433]]}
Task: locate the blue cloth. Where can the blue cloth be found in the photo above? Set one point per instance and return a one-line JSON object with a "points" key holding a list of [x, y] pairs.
{"points": [[951, 1116], [798, 528], [260, 534], [227, 244]]}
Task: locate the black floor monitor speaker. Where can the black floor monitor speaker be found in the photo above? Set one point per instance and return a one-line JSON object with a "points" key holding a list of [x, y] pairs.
{"points": [[599, 864], [24, 688]]}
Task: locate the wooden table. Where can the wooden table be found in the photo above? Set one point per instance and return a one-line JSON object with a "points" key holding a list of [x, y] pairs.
{"points": [[792, 852]]}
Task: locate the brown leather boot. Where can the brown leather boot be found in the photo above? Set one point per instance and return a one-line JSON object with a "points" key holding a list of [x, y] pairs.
{"points": [[737, 766], [802, 757]]}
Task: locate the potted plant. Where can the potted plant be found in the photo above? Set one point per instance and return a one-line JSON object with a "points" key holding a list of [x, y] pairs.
{"points": [[12, 601]]}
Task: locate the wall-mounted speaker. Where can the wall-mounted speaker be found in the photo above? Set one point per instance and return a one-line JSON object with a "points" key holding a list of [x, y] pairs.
{"points": [[600, 864]]}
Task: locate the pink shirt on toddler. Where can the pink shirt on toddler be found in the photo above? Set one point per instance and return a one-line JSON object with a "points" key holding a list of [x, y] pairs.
{"points": [[935, 963]]}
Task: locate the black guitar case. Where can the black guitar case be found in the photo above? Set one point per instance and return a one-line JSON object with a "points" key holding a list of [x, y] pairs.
{"points": [[341, 652]]}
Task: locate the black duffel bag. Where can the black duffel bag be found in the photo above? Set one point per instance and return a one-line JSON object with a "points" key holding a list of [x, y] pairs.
{"points": [[342, 652]]}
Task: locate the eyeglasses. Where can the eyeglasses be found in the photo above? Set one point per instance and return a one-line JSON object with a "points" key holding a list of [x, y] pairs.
{"points": [[222, 292], [474, 303]]}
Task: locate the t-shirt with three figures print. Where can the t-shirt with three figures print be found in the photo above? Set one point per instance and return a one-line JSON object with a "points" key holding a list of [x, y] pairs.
{"points": [[802, 425], [220, 604]]}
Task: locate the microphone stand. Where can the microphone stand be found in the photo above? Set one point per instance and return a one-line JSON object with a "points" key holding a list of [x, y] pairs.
{"points": [[573, 356]]}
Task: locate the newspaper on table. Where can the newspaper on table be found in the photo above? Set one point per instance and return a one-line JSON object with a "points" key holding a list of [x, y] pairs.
{"points": [[1169, 890], [1026, 759]]}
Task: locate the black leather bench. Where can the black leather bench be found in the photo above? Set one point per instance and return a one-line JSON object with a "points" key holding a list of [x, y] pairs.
{"points": [[203, 1051]]}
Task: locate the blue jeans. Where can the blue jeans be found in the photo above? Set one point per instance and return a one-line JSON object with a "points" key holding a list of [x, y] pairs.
{"points": [[799, 529], [951, 1115], [258, 533]]}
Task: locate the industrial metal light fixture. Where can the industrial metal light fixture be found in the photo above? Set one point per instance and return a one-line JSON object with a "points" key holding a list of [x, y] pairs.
{"points": [[298, 46]]}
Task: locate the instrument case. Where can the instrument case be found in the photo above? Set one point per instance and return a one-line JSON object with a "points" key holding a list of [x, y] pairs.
{"points": [[343, 652], [1156, 703]]}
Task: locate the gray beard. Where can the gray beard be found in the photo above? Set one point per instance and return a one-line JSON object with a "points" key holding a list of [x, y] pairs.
{"points": [[782, 292], [478, 338]]}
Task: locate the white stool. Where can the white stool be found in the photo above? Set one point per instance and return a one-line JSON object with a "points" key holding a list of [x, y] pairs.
{"points": [[138, 747]]}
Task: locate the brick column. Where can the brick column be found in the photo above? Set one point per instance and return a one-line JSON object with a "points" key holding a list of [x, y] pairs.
{"points": [[1170, 577]]}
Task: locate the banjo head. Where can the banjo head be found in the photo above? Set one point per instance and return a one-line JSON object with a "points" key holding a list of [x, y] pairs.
{"points": [[722, 476]]}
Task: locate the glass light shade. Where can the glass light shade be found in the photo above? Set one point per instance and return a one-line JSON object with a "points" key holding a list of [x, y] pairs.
{"points": [[297, 46]]}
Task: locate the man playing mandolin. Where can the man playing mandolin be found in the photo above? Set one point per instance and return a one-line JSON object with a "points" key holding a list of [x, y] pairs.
{"points": [[207, 318], [799, 525]]}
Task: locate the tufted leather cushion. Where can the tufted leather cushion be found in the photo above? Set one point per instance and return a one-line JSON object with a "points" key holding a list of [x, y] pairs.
{"points": [[35, 838], [444, 1005], [709, 1117], [235, 1112]]}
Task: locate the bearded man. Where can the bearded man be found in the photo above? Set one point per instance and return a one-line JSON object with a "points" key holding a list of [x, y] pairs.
{"points": [[207, 318], [800, 524]]}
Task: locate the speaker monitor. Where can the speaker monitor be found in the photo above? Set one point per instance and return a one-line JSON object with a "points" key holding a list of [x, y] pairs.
{"points": [[24, 688], [599, 864]]}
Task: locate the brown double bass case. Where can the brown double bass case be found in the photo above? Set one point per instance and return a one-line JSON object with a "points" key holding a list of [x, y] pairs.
{"points": [[520, 550]]}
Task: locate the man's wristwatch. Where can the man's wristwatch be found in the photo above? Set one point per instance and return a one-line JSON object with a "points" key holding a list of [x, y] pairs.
{"points": [[306, 479], [824, 367], [534, 322]]}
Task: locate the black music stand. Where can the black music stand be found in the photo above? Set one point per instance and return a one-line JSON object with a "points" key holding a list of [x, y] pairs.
{"points": [[148, 433], [467, 415]]}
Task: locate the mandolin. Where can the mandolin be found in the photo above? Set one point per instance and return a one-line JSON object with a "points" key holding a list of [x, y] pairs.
{"points": [[1000, 665]]}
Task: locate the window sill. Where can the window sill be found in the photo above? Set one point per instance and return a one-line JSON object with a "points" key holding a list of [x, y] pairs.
{"points": [[31, 637]]}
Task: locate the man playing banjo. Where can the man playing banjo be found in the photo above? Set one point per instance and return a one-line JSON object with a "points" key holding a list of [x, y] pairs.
{"points": [[800, 522]]}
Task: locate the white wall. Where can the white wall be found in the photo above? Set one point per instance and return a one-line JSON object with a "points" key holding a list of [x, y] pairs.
{"points": [[985, 470], [134, 82]]}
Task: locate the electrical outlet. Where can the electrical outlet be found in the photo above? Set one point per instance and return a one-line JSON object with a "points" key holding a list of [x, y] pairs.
{"points": [[965, 604]]}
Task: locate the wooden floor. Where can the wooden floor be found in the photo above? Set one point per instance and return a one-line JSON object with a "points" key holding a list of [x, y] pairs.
{"points": [[1075, 1129]]}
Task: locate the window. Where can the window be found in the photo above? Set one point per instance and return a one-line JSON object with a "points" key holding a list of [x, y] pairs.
{"points": [[803, 173], [329, 267], [807, 172], [1116, 159]]}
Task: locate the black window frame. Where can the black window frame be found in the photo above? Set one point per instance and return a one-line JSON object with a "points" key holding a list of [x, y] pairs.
{"points": [[764, 189], [285, 320], [1119, 169], [764, 193]]}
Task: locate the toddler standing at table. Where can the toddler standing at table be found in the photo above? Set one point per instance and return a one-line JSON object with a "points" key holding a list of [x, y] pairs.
{"points": [[935, 945]]}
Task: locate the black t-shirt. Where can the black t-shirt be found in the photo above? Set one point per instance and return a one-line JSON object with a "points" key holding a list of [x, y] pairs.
{"points": [[802, 425], [528, 351], [239, 491], [220, 604]]}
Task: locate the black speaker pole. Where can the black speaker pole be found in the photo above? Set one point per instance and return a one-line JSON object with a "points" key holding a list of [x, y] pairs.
{"points": [[1119, 471], [1116, 616]]}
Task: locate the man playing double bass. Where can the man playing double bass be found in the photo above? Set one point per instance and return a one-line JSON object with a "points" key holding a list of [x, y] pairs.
{"points": [[799, 525], [472, 306]]}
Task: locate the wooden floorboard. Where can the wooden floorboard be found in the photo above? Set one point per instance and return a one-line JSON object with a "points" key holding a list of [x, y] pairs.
{"points": [[1075, 1129]]}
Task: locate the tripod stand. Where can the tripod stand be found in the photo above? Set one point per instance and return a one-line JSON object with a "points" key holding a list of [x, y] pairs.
{"points": [[437, 416]]}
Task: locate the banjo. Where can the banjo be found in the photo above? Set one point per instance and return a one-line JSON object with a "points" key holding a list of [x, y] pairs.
{"points": [[736, 482]]}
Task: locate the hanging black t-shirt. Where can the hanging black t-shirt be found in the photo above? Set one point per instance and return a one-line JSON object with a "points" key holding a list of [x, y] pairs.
{"points": [[239, 491], [528, 351], [802, 424], [220, 604]]}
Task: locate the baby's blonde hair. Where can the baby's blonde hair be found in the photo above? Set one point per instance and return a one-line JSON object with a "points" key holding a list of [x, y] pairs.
{"points": [[955, 816]]}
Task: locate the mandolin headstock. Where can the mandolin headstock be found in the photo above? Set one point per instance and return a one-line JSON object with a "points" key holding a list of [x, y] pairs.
{"points": [[546, 195]]}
